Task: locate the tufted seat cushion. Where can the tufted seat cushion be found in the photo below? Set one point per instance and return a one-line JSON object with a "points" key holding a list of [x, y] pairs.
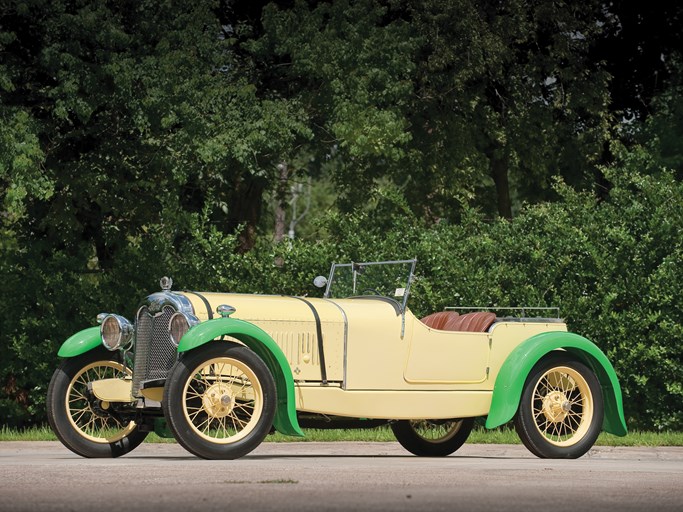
{"points": [[479, 321]]}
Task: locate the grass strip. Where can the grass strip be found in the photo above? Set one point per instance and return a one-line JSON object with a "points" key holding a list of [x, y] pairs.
{"points": [[502, 435]]}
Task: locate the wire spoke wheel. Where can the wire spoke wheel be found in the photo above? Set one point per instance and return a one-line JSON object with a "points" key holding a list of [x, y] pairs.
{"points": [[223, 400], [562, 405], [432, 438], [560, 412], [89, 416], [220, 400], [85, 424]]}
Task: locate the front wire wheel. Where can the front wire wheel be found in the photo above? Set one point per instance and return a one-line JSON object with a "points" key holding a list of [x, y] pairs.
{"points": [[85, 425], [561, 410], [220, 400], [432, 438]]}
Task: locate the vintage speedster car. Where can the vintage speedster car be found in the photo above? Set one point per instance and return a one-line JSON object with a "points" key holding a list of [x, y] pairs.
{"points": [[219, 372]]}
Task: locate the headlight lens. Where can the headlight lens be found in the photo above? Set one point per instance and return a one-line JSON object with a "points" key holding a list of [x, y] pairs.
{"points": [[116, 332], [178, 326]]}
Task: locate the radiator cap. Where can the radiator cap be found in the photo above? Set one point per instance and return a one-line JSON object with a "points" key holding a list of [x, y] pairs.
{"points": [[166, 283]]}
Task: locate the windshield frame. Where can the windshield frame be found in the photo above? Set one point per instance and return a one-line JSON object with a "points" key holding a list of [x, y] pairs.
{"points": [[356, 267]]}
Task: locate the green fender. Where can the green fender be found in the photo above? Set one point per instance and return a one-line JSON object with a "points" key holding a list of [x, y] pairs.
{"points": [[81, 342], [259, 341], [512, 376]]}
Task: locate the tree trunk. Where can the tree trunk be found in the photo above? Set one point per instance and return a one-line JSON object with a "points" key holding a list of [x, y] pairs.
{"points": [[281, 202], [245, 209], [499, 173]]}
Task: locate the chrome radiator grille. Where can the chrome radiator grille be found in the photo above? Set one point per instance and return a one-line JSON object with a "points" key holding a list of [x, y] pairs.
{"points": [[155, 354]]}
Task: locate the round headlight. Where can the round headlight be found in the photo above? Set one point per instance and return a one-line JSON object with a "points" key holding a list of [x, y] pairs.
{"points": [[177, 327], [116, 332]]}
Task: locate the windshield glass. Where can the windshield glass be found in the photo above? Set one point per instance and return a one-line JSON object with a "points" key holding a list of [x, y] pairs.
{"points": [[389, 279]]}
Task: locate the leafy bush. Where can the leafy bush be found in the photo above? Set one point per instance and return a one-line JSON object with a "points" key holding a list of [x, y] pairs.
{"points": [[612, 266]]}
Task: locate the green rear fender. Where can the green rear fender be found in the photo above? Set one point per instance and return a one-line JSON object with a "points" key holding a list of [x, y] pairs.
{"points": [[512, 376], [81, 342], [260, 342]]}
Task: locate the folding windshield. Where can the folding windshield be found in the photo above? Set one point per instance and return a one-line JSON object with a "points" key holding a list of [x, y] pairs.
{"points": [[390, 279]]}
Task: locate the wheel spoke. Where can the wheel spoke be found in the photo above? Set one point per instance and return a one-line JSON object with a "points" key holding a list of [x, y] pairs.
{"points": [[206, 422], [242, 424], [194, 415], [575, 420], [234, 425], [77, 415]]}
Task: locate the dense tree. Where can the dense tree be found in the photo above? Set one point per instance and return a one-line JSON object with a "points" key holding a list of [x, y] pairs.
{"points": [[444, 97], [122, 123], [515, 80], [641, 49], [145, 137], [140, 113], [350, 66]]}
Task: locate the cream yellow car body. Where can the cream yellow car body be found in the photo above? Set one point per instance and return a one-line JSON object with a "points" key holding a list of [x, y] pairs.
{"points": [[378, 364]]}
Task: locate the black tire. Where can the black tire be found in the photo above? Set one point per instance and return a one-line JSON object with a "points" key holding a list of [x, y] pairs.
{"points": [[220, 400], [561, 410], [432, 438], [78, 419]]}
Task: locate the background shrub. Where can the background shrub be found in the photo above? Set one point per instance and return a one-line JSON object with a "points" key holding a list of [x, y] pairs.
{"points": [[611, 266]]}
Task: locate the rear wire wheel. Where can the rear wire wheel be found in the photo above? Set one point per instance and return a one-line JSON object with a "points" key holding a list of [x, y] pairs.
{"points": [[220, 401], [432, 438], [561, 410]]}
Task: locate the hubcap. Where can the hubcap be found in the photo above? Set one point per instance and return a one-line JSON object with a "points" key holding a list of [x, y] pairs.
{"points": [[218, 401], [556, 407]]}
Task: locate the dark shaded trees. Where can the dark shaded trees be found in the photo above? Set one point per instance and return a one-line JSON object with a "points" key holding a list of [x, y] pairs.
{"points": [[139, 138], [454, 102]]}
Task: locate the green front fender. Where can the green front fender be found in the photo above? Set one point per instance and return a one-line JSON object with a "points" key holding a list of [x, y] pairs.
{"points": [[81, 342], [512, 376], [260, 342]]}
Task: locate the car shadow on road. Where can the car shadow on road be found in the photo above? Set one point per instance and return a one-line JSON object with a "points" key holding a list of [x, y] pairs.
{"points": [[283, 457]]}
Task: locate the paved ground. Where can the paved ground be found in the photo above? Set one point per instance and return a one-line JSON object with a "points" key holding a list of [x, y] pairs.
{"points": [[303, 477]]}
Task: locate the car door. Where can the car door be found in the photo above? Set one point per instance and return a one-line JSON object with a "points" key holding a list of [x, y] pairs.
{"points": [[447, 357]]}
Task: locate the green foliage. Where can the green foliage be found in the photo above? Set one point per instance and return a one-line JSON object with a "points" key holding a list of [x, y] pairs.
{"points": [[138, 140], [350, 64], [663, 131], [611, 266], [442, 98]]}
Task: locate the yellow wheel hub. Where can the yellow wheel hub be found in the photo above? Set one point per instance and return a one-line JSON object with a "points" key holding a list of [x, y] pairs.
{"points": [[556, 407], [218, 400]]}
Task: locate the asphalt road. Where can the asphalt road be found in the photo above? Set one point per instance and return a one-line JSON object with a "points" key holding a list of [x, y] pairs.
{"points": [[44, 476]]}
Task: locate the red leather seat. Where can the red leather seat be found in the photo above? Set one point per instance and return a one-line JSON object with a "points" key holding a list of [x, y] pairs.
{"points": [[438, 320], [479, 321]]}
